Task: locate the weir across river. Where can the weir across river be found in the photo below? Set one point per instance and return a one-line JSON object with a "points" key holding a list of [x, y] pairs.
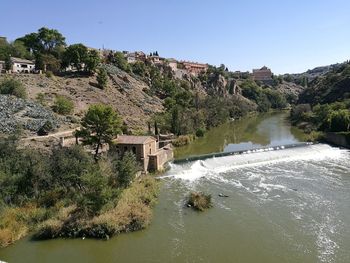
{"points": [[254, 150]]}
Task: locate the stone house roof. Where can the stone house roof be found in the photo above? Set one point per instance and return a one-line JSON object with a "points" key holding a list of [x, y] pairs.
{"points": [[131, 139], [21, 60]]}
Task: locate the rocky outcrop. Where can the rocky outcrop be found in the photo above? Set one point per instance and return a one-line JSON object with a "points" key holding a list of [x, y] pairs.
{"points": [[16, 113]]}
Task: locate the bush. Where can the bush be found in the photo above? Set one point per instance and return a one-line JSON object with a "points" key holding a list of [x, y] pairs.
{"points": [[13, 87], [183, 140], [63, 105], [102, 78], [49, 74], [127, 168], [200, 132], [45, 129], [339, 120], [199, 201]]}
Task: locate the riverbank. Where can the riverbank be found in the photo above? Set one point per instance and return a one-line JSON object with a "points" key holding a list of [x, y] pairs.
{"points": [[66, 193], [131, 212]]}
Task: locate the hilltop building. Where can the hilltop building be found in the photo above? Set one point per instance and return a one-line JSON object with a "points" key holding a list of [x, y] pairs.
{"points": [[135, 56], [263, 74], [20, 65], [194, 68], [172, 64]]}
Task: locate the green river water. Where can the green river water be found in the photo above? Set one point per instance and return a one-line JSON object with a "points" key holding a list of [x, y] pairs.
{"points": [[290, 205]]}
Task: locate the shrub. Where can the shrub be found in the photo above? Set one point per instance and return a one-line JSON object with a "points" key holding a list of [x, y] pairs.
{"points": [[63, 105], [127, 168], [40, 97], [102, 78], [183, 140], [199, 201], [13, 87], [45, 129], [49, 74], [200, 132]]}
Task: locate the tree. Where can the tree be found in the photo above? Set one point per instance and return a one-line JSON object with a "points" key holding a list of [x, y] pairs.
{"points": [[121, 62], [44, 41], [127, 168], [50, 39], [102, 78], [47, 62], [75, 55], [92, 60], [100, 125]]}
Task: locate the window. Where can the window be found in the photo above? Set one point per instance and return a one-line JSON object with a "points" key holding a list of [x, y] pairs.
{"points": [[134, 150]]}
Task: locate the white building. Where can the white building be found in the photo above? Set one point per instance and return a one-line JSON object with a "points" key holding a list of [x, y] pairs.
{"points": [[2, 66], [20, 65]]}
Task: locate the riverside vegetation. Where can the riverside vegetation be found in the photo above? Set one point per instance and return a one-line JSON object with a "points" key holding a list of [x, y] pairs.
{"points": [[325, 105], [69, 192]]}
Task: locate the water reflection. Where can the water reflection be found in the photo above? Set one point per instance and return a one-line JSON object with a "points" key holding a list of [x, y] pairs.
{"points": [[270, 129]]}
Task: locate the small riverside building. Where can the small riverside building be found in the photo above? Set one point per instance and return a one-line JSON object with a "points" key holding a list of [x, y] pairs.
{"points": [[146, 150]]}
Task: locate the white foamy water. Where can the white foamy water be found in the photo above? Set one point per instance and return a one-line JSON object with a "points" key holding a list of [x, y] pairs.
{"points": [[202, 168], [300, 192]]}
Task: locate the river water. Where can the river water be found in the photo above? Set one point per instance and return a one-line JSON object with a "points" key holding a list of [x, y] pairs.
{"points": [[291, 205]]}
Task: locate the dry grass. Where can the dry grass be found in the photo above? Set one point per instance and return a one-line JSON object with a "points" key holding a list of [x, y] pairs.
{"points": [[15, 223], [199, 201]]}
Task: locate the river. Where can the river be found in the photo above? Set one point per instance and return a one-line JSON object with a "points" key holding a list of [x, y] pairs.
{"points": [[284, 206]]}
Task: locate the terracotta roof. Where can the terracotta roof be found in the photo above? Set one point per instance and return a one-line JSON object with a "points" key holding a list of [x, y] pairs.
{"points": [[130, 139]]}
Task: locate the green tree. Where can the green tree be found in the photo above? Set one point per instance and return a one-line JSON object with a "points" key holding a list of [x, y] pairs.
{"points": [[13, 87], [339, 120], [102, 78], [127, 168], [47, 62], [96, 192], [100, 125], [75, 55], [92, 61], [44, 41], [121, 62]]}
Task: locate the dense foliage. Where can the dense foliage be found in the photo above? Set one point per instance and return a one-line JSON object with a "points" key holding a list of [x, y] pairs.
{"points": [[66, 184], [325, 104]]}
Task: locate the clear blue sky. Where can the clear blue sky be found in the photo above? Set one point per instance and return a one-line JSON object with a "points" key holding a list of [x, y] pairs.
{"points": [[286, 35]]}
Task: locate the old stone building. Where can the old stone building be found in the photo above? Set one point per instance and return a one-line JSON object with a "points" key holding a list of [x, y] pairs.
{"points": [[146, 149], [194, 68], [263, 74]]}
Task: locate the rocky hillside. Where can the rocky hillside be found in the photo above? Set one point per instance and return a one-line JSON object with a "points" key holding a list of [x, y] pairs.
{"points": [[331, 87], [124, 92]]}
